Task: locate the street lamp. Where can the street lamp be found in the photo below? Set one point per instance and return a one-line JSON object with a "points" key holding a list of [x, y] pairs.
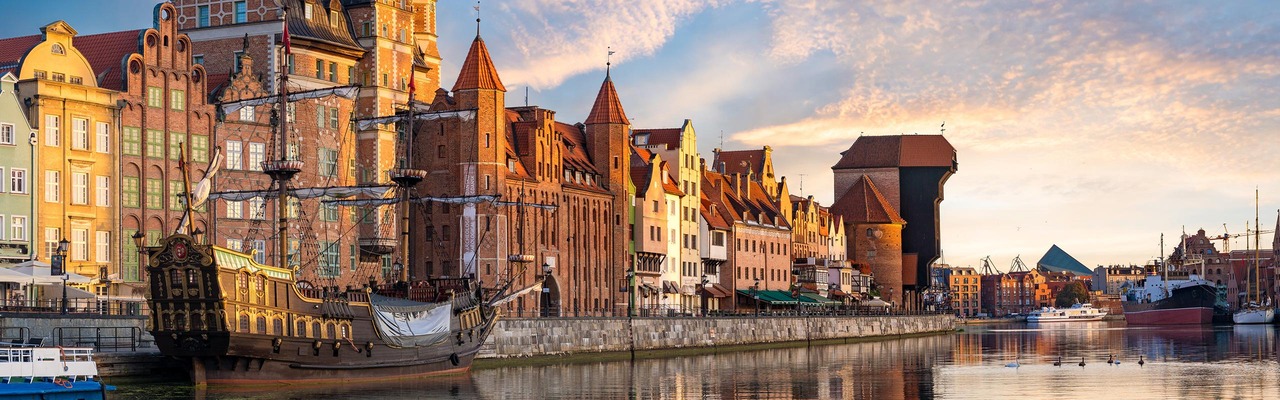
{"points": [[546, 290], [705, 282], [59, 263]]}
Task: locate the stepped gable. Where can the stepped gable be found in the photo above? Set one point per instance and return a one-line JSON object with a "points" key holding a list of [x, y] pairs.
{"points": [[607, 108], [898, 151], [864, 203], [478, 71]]}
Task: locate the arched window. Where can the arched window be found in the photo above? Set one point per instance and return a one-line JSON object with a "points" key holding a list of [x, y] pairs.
{"points": [[180, 321], [301, 329], [261, 325], [277, 326], [57, 49], [244, 323], [315, 329]]}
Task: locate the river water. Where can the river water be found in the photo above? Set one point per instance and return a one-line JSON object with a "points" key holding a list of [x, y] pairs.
{"points": [[1180, 362]]}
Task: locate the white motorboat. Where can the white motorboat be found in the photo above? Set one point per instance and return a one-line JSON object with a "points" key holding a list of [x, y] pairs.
{"points": [[1077, 312]]}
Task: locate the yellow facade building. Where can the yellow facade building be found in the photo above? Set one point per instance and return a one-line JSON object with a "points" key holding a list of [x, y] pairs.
{"points": [[76, 162]]}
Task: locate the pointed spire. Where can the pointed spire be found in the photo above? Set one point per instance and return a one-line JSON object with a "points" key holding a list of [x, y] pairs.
{"points": [[864, 203], [607, 109], [478, 71]]}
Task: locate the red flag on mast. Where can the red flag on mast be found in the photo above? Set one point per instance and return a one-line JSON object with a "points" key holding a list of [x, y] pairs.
{"points": [[286, 37], [411, 86]]}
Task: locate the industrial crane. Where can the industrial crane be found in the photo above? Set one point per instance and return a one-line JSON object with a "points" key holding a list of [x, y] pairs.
{"points": [[1227, 236], [988, 267]]}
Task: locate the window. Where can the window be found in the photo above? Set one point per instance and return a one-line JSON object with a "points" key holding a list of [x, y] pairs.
{"points": [[176, 144], [322, 117], [155, 97], [329, 260], [333, 118], [155, 193], [6, 133], [51, 238], [328, 212], [235, 244], [129, 190], [328, 163], [260, 251], [175, 201], [52, 193], [257, 209], [79, 188], [18, 227], [257, 153], [247, 114], [235, 209], [102, 141], [58, 49], [241, 12], [234, 154], [103, 191], [155, 143], [366, 28], [319, 69], [102, 246], [237, 55], [59, 77], [307, 11], [333, 72], [351, 75], [79, 244], [440, 151], [52, 134], [80, 133], [289, 64], [202, 16], [335, 19], [177, 100], [132, 140], [18, 181], [291, 209], [199, 148]]}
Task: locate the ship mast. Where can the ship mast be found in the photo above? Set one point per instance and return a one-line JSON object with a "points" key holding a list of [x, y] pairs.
{"points": [[1257, 231], [406, 177], [282, 169]]}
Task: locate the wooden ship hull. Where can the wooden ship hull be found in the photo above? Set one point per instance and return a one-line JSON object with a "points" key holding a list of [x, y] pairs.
{"points": [[234, 321]]}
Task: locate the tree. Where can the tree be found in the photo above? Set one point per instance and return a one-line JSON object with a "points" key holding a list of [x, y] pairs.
{"points": [[1072, 293]]}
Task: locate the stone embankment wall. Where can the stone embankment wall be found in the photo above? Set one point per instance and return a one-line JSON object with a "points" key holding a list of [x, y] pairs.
{"points": [[555, 336], [73, 326]]}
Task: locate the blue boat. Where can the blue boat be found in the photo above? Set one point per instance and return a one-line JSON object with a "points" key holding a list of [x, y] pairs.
{"points": [[31, 372]]}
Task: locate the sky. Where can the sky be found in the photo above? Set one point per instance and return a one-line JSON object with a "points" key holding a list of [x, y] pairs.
{"points": [[1096, 126]]}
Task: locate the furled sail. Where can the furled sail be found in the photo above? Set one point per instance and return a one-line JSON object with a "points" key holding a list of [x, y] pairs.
{"points": [[343, 91], [306, 193], [369, 123], [535, 286], [405, 323], [423, 199]]}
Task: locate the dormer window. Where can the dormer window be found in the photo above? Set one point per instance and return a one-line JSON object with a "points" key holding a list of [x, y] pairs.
{"points": [[335, 20], [307, 11], [642, 139], [58, 49]]}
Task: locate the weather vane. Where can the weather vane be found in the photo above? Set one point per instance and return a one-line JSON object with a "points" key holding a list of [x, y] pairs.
{"points": [[477, 7]]}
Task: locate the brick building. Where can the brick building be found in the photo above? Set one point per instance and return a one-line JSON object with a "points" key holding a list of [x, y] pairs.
{"points": [[965, 287], [524, 155], [679, 147], [874, 231], [910, 171], [759, 251]]}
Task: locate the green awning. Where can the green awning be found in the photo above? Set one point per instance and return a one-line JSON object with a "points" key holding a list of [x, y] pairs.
{"points": [[814, 298], [772, 297]]}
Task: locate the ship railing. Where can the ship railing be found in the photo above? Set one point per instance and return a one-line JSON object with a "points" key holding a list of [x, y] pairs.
{"points": [[99, 338]]}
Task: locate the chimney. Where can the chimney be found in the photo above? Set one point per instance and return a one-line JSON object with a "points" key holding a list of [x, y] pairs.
{"points": [[737, 184]]}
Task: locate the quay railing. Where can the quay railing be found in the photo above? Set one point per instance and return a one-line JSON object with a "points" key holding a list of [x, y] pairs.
{"points": [[698, 312], [100, 338], [76, 306]]}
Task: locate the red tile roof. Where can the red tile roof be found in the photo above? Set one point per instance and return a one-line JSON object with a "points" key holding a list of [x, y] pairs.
{"points": [[898, 151], [715, 218], [106, 53], [669, 137], [13, 49], [478, 71], [741, 161], [864, 203], [607, 109]]}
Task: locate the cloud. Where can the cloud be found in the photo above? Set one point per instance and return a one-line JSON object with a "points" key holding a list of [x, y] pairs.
{"points": [[556, 39]]}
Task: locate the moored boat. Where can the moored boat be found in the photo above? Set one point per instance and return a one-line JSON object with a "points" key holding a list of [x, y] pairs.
{"points": [[1077, 312], [49, 373], [1255, 315], [1173, 302]]}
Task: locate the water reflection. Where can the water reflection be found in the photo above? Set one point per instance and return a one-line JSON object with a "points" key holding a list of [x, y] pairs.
{"points": [[1223, 362]]}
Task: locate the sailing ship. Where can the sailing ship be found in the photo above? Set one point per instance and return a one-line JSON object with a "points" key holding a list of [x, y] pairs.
{"points": [[1255, 310], [1159, 300], [233, 320]]}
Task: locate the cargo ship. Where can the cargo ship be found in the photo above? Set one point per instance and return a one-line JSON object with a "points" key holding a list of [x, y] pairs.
{"points": [[1160, 301]]}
